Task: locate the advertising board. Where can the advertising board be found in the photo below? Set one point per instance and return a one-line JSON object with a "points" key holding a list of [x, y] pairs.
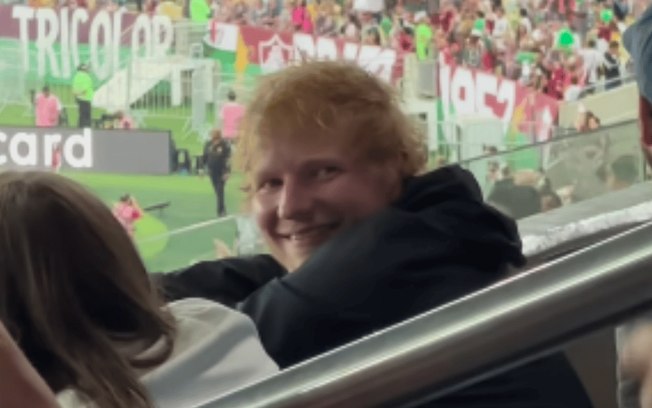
{"points": [[93, 150]]}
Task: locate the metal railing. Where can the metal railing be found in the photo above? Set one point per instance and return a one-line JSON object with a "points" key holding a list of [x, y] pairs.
{"points": [[474, 338], [580, 161], [604, 86]]}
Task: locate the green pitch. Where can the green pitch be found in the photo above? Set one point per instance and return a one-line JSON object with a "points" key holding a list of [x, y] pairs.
{"points": [[184, 232], [191, 198]]}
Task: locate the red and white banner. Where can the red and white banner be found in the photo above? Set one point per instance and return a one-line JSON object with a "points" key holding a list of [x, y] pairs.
{"points": [[274, 50], [65, 37], [465, 91]]}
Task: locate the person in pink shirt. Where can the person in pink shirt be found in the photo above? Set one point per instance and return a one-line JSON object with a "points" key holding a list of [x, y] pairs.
{"points": [[231, 114], [127, 211], [124, 121], [47, 108], [301, 19]]}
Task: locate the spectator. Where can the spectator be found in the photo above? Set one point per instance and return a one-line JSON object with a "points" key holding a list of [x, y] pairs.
{"points": [[301, 19], [85, 314], [83, 90], [200, 11], [47, 108], [124, 121], [623, 173], [372, 36], [128, 211], [351, 30], [20, 384], [525, 21], [325, 24], [557, 79], [517, 201], [592, 60], [501, 27], [620, 9], [473, 52], [423, 34], [259, 14], [550, 201], [368, 242], [57, 161], [572, 93], [217, 153], [231, 115], [611, 66], [592, 121]]}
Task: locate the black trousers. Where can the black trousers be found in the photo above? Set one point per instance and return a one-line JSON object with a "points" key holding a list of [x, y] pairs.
{"points": [[218, 187], [84, 114]]}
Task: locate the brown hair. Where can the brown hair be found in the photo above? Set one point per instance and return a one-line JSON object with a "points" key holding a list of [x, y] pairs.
{"points": [[72, 286], [334, 101], [216, 135]]}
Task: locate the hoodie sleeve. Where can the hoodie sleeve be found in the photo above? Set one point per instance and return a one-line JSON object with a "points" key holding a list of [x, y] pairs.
{"points": [[226, 281]]}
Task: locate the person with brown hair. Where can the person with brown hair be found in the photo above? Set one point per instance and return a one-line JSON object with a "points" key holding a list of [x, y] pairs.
{"points": [[76, 297], [361, 236]]}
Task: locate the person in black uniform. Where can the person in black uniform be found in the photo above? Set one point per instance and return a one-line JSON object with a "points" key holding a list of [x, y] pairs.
{"points": [[361, 237], [217, 153]]}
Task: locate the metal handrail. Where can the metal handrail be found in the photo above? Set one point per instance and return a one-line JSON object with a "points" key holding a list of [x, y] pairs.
{"points": [[503, 326], [572, 135], [599, 87]]}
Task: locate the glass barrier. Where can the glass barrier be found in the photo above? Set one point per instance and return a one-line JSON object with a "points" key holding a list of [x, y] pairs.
{"points": [[522, 181], [210, 240], [567, 169]]}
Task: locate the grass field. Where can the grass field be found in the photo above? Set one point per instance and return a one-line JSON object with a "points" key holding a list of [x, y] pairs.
{"points": [[192, 202], [191, 197]]}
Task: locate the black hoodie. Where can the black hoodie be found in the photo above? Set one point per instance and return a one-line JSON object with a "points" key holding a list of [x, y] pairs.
{"points": [[438, 242]]}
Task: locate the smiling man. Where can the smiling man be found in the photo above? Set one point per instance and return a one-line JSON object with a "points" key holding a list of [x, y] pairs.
{"points": [[359, 240]]}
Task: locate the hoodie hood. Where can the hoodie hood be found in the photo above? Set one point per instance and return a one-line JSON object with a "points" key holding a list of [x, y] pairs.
{"points": [[439, 228], [450, 200]]}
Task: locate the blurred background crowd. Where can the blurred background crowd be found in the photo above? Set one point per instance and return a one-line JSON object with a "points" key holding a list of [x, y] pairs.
{"points": [[563, 48]]}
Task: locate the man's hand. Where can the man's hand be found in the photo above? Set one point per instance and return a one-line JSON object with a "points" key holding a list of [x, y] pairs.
{"points": [[222, 250], [637, 361], [20, 384]]}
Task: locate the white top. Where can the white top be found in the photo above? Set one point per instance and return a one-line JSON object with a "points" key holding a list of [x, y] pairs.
{"points": [[500, 27], [216, 351], [572, 93], [592, 61]]}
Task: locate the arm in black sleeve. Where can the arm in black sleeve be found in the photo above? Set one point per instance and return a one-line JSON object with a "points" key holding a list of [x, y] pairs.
{"points": [[205, 153], [226, 281]]}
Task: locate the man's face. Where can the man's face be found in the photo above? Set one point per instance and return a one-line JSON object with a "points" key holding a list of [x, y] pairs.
{"points": [[304, 194]]}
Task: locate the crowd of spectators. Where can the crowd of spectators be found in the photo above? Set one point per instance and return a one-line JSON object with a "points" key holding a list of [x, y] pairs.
{"points": [[559, 48], [563, 48]]}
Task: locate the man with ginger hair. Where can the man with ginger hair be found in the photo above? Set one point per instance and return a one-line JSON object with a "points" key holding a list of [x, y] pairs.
{"points": [[360, 238]]}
